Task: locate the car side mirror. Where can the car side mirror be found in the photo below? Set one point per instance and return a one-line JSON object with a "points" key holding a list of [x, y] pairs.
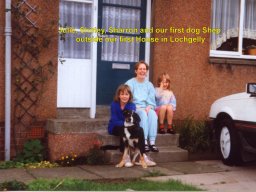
{"points": [[251, 89]]}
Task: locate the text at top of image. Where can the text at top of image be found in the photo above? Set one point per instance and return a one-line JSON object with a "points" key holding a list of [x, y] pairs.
{"points": [[170, 30]]}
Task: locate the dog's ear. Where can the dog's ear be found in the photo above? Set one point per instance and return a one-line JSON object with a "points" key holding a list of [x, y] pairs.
{"points": [[125, 112], [137, 117]]}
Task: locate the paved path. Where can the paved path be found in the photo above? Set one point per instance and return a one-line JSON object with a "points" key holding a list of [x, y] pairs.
{"points": [[209, 175], [227, 179]]}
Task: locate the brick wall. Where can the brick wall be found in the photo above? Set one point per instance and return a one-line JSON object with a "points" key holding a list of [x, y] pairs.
{"points": [[48, 13], [47, 105], [195, 82], [1, 140]]}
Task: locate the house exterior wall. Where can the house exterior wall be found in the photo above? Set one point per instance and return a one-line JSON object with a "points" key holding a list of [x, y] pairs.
{"points": [[195, 82], [47, 13], [2, 24], [46, 19]]}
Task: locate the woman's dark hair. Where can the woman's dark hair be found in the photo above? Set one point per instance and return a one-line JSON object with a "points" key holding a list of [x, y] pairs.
{"points": [[123, 88]]}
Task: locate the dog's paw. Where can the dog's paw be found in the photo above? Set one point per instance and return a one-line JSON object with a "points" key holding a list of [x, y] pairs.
{"points": [[144, 165], [119, 165]]}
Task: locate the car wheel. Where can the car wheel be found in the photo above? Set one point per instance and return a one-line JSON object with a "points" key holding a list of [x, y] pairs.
{"points": [[228, 139]]}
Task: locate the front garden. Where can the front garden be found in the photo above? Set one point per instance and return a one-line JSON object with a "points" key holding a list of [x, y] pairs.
{"points": [[195, 136], [34, 155]]}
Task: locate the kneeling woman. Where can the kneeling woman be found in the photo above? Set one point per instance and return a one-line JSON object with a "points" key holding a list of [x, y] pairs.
{"points": [[123, 101]]}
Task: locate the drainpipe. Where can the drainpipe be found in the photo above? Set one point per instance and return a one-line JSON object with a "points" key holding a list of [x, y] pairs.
{"points": [[94, 62], [8, 32]]}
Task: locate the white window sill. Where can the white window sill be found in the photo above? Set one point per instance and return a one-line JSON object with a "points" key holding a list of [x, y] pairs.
{"points": [[232, 61], [251, 57]]}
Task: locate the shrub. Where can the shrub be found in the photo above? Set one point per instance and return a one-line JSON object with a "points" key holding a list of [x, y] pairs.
{"points": [[13, 186], [32, 152], [11, 164], [195, 135]]}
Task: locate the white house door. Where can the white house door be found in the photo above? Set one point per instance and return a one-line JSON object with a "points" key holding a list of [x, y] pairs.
{"points": [[75, 58]]}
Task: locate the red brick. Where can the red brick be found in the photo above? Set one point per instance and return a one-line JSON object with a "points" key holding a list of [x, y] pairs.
{"points": [[195, 82]]}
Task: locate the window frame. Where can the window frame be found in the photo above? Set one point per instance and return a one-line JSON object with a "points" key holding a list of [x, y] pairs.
{"points": [[235, 54], [77, 30], [142, 51]]}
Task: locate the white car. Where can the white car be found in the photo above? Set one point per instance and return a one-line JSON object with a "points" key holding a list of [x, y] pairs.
{"points": [[233, 119]]}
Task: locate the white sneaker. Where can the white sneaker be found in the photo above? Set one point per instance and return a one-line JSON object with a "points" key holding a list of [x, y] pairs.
{"points": [[149, 161], [127, 161]]}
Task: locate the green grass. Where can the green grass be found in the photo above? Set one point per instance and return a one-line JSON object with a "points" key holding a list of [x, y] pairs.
{"points": [[108, 185]]}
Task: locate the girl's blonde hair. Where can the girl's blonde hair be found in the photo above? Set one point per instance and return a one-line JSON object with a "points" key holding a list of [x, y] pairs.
{"points": [[162, 77], [123, 88]]}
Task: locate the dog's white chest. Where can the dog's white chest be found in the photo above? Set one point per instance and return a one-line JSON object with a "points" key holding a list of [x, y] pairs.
{"points": [[128, 135]]}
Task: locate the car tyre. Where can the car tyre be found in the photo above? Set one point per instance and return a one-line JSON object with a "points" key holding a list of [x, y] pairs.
{"points": [[229, 143]]}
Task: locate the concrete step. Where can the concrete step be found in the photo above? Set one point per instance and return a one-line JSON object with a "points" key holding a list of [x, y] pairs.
{"points": [[167, 144], [72, 113], [162, 140], [167, 140], [169, 154], [77, 113], [165, 155], [107, 139], [102, 111], [78, 126]]}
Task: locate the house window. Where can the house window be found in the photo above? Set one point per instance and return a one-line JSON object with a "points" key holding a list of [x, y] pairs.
{"points": [[74, 15], [236, 21], [122, 20]]}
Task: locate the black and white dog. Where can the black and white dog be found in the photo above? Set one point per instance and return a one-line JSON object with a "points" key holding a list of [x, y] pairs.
{"points": [[133, 138]]}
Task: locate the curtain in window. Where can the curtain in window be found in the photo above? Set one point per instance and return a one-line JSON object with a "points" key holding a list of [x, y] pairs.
{"points": [[75, 15], [117, 17], [124, 2], [225, 15], [250, 19]]}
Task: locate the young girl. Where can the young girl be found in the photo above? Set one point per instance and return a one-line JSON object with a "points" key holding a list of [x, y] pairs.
{"points": [[166, 103], [123, 101]]}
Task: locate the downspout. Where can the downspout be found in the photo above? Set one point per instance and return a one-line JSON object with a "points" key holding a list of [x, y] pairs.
{"points": [[94, 62], [8, 32]]}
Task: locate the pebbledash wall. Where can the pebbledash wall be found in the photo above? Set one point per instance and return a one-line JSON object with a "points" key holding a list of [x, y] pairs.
{"points": [[195, 82]]}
